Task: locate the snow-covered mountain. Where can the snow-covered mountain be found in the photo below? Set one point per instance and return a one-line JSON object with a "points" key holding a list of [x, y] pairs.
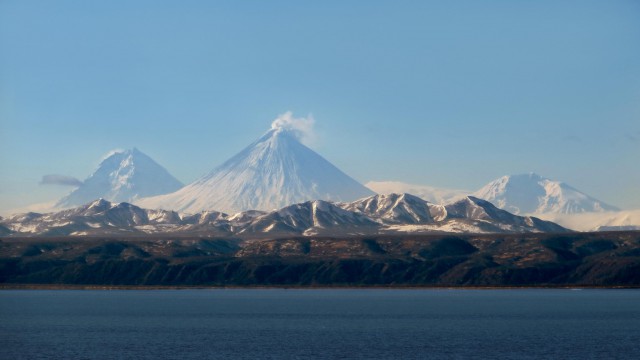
{"points": [[519, 194], [472, 208], [396, 209], [275, 171], [597, 221], [122, 176], [99, 217], [311, 217], [378, 214], [402, 213], [534, 194]]}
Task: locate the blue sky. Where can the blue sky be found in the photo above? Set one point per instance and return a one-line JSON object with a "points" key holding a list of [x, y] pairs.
{"points": [[449, 93]]}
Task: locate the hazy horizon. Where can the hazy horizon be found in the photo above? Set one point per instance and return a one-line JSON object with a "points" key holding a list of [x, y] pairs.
{"points": [[439, 94]]}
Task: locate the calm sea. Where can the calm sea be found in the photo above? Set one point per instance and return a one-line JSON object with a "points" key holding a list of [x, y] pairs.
{"points": [[337, 324]]}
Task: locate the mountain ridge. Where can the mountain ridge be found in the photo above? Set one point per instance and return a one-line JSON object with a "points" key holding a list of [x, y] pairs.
{"points": [[528, 193], [377, 214]]}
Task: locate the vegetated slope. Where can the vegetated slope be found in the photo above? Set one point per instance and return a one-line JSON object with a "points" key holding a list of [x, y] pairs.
{"points": [[577, 259]]}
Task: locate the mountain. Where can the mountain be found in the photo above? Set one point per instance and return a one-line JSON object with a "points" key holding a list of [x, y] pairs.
{"points": [[99, 217], [432, 194], [311, 217], [275, 171], [396, 209], [122, 176], [472, 208], [406, 213], [534, 194], [598, 221], [378, 214]]}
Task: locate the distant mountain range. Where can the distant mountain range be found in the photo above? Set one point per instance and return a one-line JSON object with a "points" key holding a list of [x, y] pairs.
{"points": [[531, 194], [122, 176], [378, 214], [519, 194], [277, 171]]}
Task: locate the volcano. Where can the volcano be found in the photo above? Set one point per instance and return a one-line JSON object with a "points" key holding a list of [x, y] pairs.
{"points": [[534, 194], [122, 176], [274, 171]]}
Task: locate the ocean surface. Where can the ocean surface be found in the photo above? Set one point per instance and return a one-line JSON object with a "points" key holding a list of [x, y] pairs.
{"points": [[324, 323]]}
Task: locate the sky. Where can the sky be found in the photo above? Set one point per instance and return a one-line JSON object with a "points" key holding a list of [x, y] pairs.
{"points": [[446, 93]]}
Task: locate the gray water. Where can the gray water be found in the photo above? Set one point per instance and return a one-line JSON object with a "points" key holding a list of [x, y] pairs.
{"points": [[278, 323]]}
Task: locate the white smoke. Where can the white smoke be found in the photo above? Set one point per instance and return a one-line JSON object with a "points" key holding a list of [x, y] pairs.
{"points": [[63, 180], [111, 153], [301, 128]]}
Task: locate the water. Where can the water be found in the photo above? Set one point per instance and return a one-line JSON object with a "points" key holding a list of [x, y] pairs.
{"points": [[276, 324]]}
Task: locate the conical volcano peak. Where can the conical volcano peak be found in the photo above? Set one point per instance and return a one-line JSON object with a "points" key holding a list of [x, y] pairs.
{"points": [[283, 134], [279, 135], [274, 171], [300, 129], [123, 175]]}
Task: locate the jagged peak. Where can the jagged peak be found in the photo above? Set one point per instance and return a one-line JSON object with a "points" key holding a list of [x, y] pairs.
{"points": [[394, 197], [100, 202], [306, 218], [478, 201]]}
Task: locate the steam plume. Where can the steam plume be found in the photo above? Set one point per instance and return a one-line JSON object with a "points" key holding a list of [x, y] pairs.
{"points": [[301, 128], [63, 180]]}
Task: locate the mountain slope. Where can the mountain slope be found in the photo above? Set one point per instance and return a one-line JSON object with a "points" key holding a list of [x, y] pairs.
{"points": [[394, 209], [534, 194], [123, 176], [311, 217], [274, 171], [472, 208], [99, 217]]}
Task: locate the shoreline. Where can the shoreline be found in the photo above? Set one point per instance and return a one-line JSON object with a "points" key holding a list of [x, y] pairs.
{"points": [[312, 287]]}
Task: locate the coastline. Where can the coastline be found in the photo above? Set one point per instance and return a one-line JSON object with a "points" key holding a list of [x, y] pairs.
{"points": [[508, 261], [311, 287]]}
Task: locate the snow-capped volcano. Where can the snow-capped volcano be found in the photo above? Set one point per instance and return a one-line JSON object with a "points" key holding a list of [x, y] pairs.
{"points": [[275, 171], [123, 176], [534, 194]]}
